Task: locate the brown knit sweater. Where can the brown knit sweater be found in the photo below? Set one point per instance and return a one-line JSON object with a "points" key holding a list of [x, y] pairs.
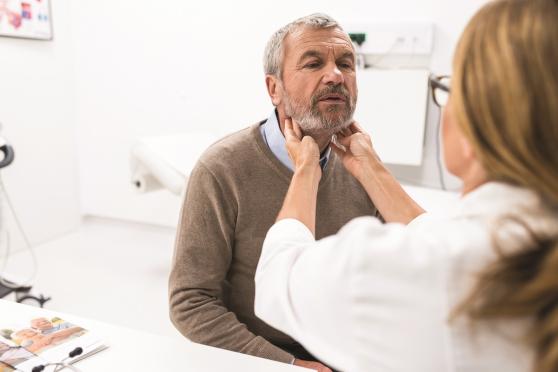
{"points": [[234, 195]]}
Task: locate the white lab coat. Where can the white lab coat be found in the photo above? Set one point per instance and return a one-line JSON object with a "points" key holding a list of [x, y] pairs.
{"points": [[377, 297]]}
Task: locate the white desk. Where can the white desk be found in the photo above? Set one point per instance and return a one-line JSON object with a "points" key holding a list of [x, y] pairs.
{"points": [[131, 350], [432, 200]]}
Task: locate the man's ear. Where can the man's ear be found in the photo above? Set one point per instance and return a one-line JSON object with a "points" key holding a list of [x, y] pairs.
{"points": [[274, 89]]}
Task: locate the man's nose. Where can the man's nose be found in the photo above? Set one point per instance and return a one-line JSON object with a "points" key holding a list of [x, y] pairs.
{"points": [[333, 76]]}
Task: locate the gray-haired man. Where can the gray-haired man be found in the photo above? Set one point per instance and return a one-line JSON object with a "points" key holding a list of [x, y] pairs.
{"points": [[238, 186]]}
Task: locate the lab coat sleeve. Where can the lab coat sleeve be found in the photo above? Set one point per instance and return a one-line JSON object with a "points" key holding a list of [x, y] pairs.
{"points": [[371, 289], [302, 289]]}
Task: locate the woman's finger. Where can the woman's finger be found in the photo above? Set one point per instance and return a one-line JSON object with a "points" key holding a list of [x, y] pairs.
{"points": [[336, 149], [340, 134], [356, 128], [345, 141], [289, 130], [296, 129]]}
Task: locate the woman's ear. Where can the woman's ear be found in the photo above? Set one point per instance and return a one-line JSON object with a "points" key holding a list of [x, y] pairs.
{"points": [[467, 149], [274, 89]]}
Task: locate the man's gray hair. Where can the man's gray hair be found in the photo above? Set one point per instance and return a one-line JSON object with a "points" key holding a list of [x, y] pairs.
{"points": [[273, 56]]}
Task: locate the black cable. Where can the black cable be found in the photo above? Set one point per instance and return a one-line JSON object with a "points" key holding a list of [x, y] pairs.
{"points": [[62, 364]]}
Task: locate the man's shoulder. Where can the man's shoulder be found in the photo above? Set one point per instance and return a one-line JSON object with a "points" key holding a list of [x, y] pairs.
{"points": [[231, 150]]}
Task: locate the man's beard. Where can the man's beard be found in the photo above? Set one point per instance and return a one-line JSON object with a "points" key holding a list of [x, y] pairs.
{"points": [[315, 122]]}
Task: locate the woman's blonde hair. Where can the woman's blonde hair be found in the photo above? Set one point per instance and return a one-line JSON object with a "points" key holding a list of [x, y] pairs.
{"points": [[505, 97]]}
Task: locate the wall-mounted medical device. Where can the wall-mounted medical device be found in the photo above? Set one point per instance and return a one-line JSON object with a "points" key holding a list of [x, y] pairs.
{"points": [[393, 38]]}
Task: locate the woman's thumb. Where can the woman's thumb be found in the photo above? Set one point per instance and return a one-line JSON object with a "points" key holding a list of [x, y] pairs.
{"points": [[336, 149]]}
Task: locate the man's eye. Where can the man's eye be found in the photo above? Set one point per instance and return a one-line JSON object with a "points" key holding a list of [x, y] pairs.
{"points": [[346, 65], [312, 65]]}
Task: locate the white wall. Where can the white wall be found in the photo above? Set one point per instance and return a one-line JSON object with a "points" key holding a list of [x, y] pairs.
{"points": [[174, 66], [37, 112]]}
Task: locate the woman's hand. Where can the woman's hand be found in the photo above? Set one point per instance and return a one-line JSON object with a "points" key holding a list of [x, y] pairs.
{"points": [[361, 160], [358, 154], [303, 150], [300, 201]]}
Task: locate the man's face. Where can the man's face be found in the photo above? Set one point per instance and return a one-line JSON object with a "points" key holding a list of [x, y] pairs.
{"points": [[41, 324], [319, 80]]}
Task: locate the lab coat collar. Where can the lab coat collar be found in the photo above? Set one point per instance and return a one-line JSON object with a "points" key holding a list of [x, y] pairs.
{"points": [[498, 198]]}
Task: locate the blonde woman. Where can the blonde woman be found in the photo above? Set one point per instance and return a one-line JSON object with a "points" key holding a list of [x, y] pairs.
{"points": [[474, 290]]}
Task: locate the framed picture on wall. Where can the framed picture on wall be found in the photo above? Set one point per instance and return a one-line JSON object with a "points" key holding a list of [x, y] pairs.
{"points": [[26, 19]]}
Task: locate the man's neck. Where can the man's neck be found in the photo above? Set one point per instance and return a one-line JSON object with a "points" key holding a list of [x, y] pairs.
{"points": [[322, 141]]}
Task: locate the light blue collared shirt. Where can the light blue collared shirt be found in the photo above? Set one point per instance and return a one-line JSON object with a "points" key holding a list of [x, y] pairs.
{"points": [[273, 137]]}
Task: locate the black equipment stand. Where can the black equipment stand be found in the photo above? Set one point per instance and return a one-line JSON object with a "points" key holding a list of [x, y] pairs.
{"points": [[21, 292]]}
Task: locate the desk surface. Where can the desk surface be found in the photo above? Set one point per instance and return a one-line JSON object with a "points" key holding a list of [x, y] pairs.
{"points": [[132, 350]]}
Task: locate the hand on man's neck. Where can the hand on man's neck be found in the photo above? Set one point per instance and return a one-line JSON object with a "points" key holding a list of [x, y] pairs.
{"points": [[322, 141]]}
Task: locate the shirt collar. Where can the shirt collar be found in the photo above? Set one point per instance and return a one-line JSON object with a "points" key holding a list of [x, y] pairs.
{"points": [[273, 137]]}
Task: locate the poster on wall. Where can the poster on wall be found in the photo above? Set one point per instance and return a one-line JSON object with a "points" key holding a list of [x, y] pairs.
{"points": [[26, 18]]}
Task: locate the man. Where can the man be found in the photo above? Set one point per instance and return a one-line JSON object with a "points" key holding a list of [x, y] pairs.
{"points": [[46, 327], [237, 188], [36, 342]]}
